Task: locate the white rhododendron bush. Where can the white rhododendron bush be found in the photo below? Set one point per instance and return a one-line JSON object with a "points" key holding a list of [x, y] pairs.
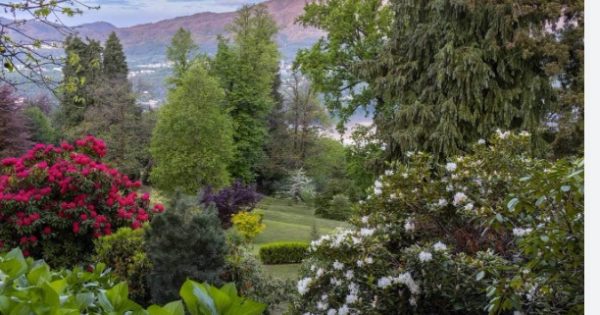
{"points": [[495, 231]]}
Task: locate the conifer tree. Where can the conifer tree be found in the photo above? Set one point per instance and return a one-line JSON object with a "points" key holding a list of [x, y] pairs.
{"points": [[247, 69], [184, 242], [114, 63]]}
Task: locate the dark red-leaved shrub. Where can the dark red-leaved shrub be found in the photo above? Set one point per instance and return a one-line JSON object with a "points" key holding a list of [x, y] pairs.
{"points": [[231, 200], [55, 200]]}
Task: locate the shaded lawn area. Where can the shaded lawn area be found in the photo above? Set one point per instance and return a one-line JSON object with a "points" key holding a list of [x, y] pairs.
{"points": [[289, 221]]}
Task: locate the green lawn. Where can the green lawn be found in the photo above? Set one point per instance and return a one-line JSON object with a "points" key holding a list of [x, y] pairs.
{"points": [[289, 221]]}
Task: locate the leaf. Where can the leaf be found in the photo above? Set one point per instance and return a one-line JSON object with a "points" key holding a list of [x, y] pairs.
{"points": [[480, 275], [14, 263], [196, 299], [247, 307], [512, 204]]}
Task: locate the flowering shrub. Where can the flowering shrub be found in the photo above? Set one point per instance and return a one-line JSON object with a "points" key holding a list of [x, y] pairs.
{"points": [[496, 230], [54, 200], [231, 200], [248, 224]]}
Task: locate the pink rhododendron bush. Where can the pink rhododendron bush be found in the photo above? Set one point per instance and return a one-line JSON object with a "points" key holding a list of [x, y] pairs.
{"points": [[495, 231], [55, 200]]}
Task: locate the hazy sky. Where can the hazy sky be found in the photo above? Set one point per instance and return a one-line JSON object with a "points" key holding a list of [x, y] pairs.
{"points": [[131, 12]]}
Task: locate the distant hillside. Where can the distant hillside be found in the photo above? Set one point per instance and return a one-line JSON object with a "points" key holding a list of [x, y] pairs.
{"points": [[146, 42]]}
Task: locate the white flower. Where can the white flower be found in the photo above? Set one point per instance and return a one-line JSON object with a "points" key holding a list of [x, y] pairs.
{"points": [[439, 246], [502, 135], [442, 202], [449, 188], [377, 191], [344, 310], [410, 153], [369, 260], [519, 232], [404, 175], [338, 265], [353, 288], [335, 281], [322, 306], [356, 240], [389, 172], [409, 226], [303, 285], [365, 219], [524, 134], [359, 263], [366, 232], [459, 198], [324, 297], [331, 312], [407, 280], [481, 141], [384, 282], [351, 298], [349, 274], [320, 272], [412, 301], [425, 256], [451, 167], [469, 206]]}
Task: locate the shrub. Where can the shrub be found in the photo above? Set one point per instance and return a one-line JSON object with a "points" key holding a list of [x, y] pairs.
{"points": [[283, 252], [248, 224], [338, 207], [31, 287], [55, 200], [231, 200], [300, 187], [184, 242], [247, 272], [495, 230], [124, 253]]}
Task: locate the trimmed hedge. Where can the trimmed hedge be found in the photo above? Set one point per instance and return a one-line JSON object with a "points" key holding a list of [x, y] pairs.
{"points": [[283, 252]]}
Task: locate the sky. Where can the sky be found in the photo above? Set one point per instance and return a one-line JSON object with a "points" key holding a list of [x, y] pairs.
{"points": [[131, 12]]}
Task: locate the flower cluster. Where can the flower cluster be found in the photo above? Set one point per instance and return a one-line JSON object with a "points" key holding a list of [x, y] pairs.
{"points": [[60, 193]]}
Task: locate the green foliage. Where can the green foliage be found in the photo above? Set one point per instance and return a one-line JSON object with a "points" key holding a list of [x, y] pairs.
{"points": [[246, 69], [365, 159], [31, 287], [494, 230], [283, 252], [181, 53], [124, 253], [184, 242], [248, 224], [41, 127], [192, 142], [114, 64], [339, 207]]}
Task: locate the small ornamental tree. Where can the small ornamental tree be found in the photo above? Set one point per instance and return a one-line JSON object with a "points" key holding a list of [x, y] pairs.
{"points": [[54, 201], [231, 200]]}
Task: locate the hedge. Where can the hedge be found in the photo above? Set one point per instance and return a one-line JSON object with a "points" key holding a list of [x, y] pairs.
{"points": [[283, 252]]}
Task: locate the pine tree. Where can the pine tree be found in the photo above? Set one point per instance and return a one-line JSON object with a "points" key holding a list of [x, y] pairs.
{"points": [[247, 69], [184, 242], [192, 141], [114, 63], [181, 53], [14, 134]]}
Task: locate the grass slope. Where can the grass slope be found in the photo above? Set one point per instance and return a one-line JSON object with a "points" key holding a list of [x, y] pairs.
{"points": [[289, 221]]}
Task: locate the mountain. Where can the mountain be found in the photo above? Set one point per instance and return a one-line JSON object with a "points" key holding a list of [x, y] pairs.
{"points": [[148, 41]]}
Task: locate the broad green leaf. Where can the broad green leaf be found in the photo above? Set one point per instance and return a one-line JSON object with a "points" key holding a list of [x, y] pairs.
{"points": [[247, 307]]}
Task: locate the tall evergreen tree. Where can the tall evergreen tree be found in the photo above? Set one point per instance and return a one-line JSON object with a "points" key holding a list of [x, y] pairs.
{"points": [[81, 73], [192, 142], [454, 72], [114, 63], [181, 53], [247, 69]]}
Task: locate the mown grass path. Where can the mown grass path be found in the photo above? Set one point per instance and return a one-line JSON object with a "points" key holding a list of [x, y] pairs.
{"points": [[289, 221]]}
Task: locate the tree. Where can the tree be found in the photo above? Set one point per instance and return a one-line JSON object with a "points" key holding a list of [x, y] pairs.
{"points": [[181, 52], [14, 134], [356, 31], [19, 51], [192, 142], [114, 64], [40, 126], [81, 74], [185, 242], [246, 70]]}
